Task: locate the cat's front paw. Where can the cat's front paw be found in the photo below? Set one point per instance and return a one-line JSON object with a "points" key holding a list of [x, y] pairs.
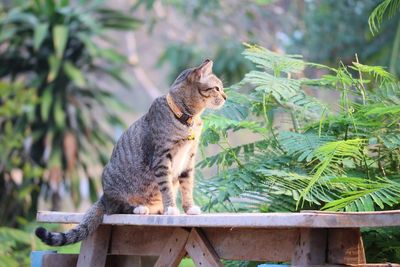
{"points": [[194, 210], [141, 210], [172, 211]]}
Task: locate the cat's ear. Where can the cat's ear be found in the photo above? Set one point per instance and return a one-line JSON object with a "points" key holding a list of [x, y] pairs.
{"points": [[203, 70]]}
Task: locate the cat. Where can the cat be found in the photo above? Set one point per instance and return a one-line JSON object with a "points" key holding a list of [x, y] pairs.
{"points": [[154, 157]]}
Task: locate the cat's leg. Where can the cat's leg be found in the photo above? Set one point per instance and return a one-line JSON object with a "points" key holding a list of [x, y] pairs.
{"points": [[162, 173], [186, 183]]}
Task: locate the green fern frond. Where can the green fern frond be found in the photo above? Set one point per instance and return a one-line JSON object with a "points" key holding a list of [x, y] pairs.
{"points": [[220, 123], [266, 59], [391, 140], [382, 110], [388, 94], [331, 156], [365, 194], [303, 145], [290, 183], [378, 72], [281, 89], [231, 155], [389, 7]]}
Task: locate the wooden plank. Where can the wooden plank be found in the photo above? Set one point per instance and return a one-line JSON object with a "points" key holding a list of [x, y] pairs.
{"points": [[139, 240], [229, 243], [310, 247], [123, 261], [94, 248], [148, 261], [244, 220], [130, 261], [60, 260], [252, 244], [200, 250], [70, 260], [174, 249], [345, 246]]}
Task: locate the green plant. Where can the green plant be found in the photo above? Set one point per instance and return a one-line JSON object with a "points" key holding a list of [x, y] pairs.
{"points": [[50, 46], [17, 102], [17, 244], [345, 158], [334, 160]]}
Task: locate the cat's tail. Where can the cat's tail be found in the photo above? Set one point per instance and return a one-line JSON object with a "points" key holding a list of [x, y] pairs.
{"points": [[91, 220]]}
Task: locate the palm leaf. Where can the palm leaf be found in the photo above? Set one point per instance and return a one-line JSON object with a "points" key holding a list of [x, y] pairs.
{"points": [[330, 158], [303, 145], [389, 7], [364, 194]]}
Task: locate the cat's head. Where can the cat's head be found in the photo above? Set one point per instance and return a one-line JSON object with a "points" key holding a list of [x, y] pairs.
{"points": [[201, 87]]}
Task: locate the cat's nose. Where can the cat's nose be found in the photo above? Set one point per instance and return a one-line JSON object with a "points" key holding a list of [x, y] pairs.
{"points": [[224, 96]]}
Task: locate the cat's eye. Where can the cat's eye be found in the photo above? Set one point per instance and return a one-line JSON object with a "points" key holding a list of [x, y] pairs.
{"points": [[217, 88]]}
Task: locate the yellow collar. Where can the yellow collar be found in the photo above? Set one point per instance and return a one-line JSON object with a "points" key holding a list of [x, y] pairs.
{"points": [[180, 115]]}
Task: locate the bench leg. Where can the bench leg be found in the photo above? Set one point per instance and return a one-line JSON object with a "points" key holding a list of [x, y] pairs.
{"points": [[60, 260], [345, 246], [310, 247], [200, 250], [95, 247]]}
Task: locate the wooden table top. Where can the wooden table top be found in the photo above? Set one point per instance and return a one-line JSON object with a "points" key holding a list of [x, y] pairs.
{"points": [[308, 219]]}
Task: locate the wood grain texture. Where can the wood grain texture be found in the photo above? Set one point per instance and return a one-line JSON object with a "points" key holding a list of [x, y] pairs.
{"points": [[244, 220], [94, 248], [310, 247], [229, 243], [252, 244], [139, 240], [174, 249], [201, 251], [60, 260], [345, 246], [130, 261]]}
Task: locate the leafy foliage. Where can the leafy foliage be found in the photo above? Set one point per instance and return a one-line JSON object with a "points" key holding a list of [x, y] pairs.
{"points": [[383, 242], [50, 45], [17, 102], [341, 157], [17, 244], [334, 160], [386, 7]]}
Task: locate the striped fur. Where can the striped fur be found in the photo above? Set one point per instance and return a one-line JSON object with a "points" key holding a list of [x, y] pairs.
{"points": [[153, 157], [91, 220]]}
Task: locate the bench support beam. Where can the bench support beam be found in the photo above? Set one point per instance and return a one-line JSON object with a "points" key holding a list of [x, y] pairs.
{"points": [[310, 247], [345, 246], [200, 250], [94, 248], [174, 250]]}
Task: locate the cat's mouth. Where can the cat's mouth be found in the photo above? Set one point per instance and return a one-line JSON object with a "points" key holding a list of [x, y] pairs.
{"points": [[218, 104]]}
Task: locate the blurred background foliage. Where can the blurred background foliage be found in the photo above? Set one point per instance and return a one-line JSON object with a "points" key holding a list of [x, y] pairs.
{"points": [[294, 134], [49, 47]]}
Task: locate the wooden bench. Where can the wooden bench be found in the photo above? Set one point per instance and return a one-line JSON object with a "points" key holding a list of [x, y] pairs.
{"points": [[304, 239]]}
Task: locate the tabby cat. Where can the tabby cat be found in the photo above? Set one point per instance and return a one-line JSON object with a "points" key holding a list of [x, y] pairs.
{"points": [[153, 157]]}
